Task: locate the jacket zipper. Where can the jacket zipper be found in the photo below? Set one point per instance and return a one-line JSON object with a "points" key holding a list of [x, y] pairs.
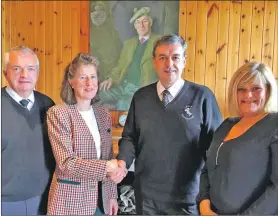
{"points": [[217, 153]]}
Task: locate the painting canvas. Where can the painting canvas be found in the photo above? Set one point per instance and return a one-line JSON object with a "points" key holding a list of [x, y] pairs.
{"points": [[122, 36]]}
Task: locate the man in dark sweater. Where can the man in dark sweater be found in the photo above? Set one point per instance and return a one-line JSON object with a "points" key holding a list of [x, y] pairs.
{"points": [[27, 159], [168, 129]]}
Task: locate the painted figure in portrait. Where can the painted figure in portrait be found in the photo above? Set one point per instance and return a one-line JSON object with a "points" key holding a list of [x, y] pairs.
{"points": [[123, 34]]}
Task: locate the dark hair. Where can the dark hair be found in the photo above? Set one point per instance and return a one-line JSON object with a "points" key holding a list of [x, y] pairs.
{"points": [[67, 92], [170, 39]]}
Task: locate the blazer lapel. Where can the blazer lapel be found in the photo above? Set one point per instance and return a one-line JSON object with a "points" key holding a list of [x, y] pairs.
{"points": [[102, 130], [82, 124]]}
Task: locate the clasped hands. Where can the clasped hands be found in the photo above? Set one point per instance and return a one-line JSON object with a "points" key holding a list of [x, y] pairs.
{"points": [[116, 170]]}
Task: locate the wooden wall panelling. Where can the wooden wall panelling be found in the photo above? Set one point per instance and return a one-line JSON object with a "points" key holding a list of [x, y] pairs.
{"points": [[6, 36], [233, 47], [31, 26], [268, 32], [66, 33], [182, 23], [57, 50], [182, 19], [40, 42], [257, 29], [49, 49], [84, 26], [190, 29], [275, 45], [201, 29], [212, 23], [14, 19], [222, 50], [75, 23], [245, 32], [20, 7]]}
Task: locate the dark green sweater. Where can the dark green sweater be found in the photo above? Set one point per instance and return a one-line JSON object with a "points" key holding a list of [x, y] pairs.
{"points": [[169, 142], [134, 70], [27, 160]]}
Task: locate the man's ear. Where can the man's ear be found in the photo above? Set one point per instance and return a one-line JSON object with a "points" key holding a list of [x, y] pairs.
{"points": [[5, 73]]}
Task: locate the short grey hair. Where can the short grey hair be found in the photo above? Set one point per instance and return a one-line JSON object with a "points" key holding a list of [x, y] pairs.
{"points": [[20, 49], [170, 39]]}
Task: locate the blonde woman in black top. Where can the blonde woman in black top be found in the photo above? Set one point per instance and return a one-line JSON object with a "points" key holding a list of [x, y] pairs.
{"points": [[241, 172]]}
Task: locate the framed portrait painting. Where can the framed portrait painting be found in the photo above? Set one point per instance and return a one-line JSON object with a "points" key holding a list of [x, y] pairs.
{"points": [[122, 37]]}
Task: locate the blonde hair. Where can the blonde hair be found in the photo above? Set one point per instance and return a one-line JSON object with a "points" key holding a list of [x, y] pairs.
{"points": [[67, 92], [247, 74]]}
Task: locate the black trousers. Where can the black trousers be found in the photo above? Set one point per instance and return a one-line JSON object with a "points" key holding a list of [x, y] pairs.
{"points": [[146, 206]]}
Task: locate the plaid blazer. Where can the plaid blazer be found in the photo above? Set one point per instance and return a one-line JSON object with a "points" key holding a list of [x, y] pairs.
{"points": [[74, 187]]}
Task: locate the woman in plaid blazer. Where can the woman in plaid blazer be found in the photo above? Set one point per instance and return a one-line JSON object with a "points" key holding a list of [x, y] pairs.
{"points": [[80, 135]]}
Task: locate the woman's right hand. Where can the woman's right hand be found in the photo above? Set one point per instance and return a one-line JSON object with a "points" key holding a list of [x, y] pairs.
{"points": [[116, 170], [205, 208]]}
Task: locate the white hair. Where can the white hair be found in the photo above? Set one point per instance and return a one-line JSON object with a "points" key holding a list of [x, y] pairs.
{"points": [[20, 49]]}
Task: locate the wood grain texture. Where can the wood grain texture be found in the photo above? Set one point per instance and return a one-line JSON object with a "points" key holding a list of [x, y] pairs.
{"points": [[221, 36]]}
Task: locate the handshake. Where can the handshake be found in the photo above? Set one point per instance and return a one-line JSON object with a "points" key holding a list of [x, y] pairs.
{"points": [[116, 170]]}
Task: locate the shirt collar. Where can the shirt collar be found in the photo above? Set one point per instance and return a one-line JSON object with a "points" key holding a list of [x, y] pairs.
{"points": [[145, 37], [174, 89], [18, 98]]}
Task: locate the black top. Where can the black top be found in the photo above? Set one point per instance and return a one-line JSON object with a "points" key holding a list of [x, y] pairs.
{"points": [[169, 142], [241, 175], [27, 159]]}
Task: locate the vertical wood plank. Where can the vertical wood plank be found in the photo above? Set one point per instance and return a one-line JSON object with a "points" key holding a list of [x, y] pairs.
{"points": [[268, 33], [257, 28], [275, 45], [14, 19], [84, 26], [75, 23], [49, 49], [212, 25], [66, 32], [4, 36], [20, 8], [182, 23], [7, 25], [40, 42], [191, 15], [222, 51], [57, 50], [30, 25], [200, 59], [233, 48], [182, 19], [245, 32]]}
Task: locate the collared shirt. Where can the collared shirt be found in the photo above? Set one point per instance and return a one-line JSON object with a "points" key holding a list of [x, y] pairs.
{"points": [[90, 119], [173, 90], [17, 98], [145, 37]]}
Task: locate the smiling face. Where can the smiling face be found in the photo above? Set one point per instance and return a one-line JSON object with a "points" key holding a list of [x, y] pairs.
{"points": [[85, 84], [22, 72], [169, 62], [252, 97], [143, 26]]}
